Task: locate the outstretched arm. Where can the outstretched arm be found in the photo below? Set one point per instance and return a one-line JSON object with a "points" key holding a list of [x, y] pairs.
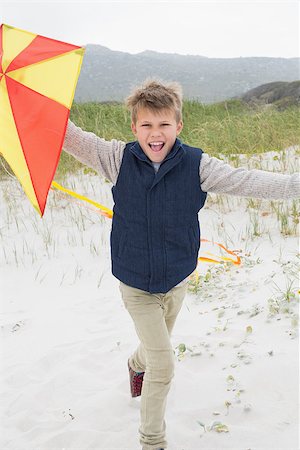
{"points": [[219, 177], [103, 156]]}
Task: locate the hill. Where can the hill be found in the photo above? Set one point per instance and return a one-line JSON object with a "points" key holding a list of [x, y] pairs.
{"points": [[282, 94], [108, 75]]}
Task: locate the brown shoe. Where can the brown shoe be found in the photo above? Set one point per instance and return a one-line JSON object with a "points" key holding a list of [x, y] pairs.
{"points": [[136, 381]]}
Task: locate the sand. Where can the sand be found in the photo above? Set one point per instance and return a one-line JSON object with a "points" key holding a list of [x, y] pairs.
{"points": [[66, 336]]}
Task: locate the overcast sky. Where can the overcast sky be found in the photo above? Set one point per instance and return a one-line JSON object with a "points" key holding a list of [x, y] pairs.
{"points": [[209, 28]]}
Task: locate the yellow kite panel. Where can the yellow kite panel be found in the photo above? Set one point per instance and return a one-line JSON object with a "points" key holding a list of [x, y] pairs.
{"points": [[55, 78], [14, 42]]}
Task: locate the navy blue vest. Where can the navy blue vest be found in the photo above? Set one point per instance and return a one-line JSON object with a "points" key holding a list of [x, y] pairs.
{"points": [[155, 235]]}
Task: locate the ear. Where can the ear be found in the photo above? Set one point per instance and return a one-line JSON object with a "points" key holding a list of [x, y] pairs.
{"points": [[133, 128], [179, 127]]}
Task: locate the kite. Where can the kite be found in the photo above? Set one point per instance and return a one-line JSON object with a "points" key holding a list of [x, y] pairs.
{"points": [[38, 77]]}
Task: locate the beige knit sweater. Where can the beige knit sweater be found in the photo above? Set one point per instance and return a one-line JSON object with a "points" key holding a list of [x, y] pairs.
{"points": [[216, 176]]}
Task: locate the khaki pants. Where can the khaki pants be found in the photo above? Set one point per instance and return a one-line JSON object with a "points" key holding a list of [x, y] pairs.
{"points": [[154, 316]]}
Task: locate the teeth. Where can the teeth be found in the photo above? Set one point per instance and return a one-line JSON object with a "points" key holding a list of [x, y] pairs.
{"points": [[156, 146]]}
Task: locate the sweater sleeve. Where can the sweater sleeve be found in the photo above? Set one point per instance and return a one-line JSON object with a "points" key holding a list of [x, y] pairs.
{"points": [[103, 156], [219, 177]]}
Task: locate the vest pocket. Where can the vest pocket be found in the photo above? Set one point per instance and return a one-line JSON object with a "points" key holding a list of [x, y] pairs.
{"points": [[122, 242], [132, 259]]}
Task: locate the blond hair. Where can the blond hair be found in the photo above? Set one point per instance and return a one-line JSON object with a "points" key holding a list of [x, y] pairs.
{"points": [[156, 95]]}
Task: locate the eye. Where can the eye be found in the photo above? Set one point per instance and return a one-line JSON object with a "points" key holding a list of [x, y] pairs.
{"points": [[145, 125], [165, 124]]}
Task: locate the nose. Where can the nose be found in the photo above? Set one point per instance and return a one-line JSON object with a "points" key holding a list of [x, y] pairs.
{"points": [[155, 132]]}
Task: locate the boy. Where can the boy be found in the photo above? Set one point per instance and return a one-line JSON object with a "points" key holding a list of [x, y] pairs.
{"points": [[159, 186]]}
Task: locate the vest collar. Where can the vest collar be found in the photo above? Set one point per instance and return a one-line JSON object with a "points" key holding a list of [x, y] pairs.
{"points": [[171, 160]]}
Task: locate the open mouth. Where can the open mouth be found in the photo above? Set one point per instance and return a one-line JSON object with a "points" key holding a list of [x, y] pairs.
{"points": [[156, 146]]}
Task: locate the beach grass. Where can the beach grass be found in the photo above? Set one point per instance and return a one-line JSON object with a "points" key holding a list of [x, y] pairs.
{"points": [[230, 127]]}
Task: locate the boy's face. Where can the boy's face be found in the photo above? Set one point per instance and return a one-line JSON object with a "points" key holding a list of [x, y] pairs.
{"points": [[156, 132]]}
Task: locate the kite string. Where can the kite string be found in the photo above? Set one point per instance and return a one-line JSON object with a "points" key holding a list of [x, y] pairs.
{"points": [[109, 213], [103, 210]]}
